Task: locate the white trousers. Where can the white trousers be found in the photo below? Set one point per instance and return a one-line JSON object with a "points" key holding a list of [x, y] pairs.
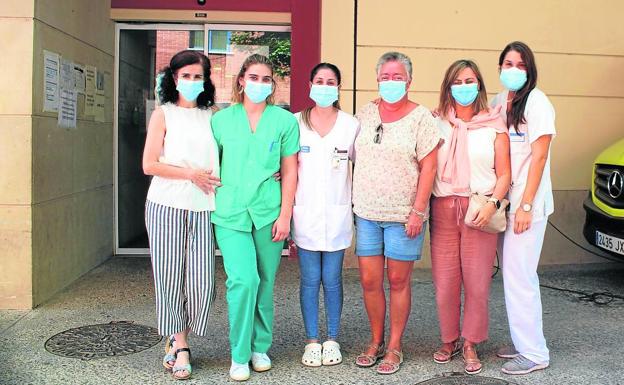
{"points": [[520, 257]]}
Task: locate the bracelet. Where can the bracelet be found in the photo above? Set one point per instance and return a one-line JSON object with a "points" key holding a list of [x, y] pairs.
{"points": [[420, 214]]}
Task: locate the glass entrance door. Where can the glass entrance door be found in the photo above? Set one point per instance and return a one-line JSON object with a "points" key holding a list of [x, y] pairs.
{"points": [[142, 51]]}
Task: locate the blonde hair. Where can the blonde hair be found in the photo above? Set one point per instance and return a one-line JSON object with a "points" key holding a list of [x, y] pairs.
{"points": [[237, 89], [446, 99]]}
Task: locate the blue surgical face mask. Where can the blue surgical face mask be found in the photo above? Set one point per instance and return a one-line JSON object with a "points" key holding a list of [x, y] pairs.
{"points": [[323, 96], [391, 91], [513, 78], [465, 94], [257, 92], [190, 89]]}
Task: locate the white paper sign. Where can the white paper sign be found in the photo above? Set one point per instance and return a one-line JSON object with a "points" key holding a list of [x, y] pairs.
{"points": [[67, 109], [50, 81], [79, 78], [89, 109], [98, 108], [90, 72], [67, 75]]}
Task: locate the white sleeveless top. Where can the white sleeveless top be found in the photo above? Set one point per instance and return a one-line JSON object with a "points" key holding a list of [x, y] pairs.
{"points": [[188, 143]]}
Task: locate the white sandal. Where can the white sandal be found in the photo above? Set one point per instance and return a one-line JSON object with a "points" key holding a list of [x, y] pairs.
{"points": [[312, 354], [331, 353]]}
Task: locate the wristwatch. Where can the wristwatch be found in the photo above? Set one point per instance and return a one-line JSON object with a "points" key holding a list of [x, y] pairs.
{"points": [[527, 207], [495, 201]]}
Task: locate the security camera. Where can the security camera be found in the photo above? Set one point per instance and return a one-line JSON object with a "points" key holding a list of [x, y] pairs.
{"points": [[201, 2]]}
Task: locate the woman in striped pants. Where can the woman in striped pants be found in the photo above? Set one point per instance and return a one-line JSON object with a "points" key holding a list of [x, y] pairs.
{"points": [[181, 154]]}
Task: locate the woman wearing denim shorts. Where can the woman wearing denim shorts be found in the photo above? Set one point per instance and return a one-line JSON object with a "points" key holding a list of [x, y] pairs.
{"points": [[396, 162]]}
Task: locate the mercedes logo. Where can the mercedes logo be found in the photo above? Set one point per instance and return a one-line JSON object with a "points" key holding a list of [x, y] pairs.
{"points": [[615, 184]]}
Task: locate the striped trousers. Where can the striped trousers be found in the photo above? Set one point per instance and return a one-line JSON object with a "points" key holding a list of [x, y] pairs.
{"points": [[182, 252]]}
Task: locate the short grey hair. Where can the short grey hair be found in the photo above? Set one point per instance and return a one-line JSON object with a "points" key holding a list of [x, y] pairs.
{"points": [[398, 57]]}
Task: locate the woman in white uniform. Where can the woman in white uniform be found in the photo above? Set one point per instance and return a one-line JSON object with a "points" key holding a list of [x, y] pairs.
{"points": [[322, 216], [530, 118]]}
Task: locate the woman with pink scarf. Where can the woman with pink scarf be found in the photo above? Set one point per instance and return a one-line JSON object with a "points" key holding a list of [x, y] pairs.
{"points": [[474, 158]]}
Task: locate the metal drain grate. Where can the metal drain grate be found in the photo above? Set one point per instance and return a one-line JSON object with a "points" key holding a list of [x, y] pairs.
{"points": [[103, 340], [456, 378]]}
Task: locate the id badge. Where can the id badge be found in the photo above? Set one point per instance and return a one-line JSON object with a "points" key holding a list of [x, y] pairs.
{"points": [[338, 157]]}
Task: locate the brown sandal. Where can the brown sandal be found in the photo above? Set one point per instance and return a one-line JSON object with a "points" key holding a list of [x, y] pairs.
{"points": [[390, 367], [366, 360], [444, 356], [471, 365]]}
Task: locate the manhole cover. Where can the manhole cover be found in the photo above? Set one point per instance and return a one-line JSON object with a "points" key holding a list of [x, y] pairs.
{"points": [[463, 379], [103, 340]]}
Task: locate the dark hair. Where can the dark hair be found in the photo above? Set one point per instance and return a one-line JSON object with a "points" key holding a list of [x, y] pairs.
{"points": [[515, 115], [305, 114], [168, 92], [446, 98]]}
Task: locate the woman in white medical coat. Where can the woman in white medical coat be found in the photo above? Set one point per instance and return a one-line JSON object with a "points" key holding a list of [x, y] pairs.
{"points": [[322, 215], [530, 118]]}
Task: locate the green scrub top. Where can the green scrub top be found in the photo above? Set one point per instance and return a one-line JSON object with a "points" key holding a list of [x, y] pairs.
{"points": [[249, 195]]}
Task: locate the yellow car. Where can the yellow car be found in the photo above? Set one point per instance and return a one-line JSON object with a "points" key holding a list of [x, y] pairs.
{"points": [[604, 207]]}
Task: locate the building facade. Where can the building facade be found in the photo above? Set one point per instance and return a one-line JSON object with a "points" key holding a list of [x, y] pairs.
{"points": [[70, 198]]}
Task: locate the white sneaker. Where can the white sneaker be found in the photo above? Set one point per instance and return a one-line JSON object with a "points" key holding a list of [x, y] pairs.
{"points": [[239, 372], [522, 365], [260, 362]]}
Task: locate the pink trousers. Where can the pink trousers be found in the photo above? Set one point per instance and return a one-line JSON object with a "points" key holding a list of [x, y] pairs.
{"points": [[460, 255]]}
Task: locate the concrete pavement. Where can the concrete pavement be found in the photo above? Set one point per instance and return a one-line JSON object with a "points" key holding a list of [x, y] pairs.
{"points": [[586, 340]]}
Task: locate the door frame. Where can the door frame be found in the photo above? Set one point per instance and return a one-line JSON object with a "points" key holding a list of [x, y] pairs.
{"points": [[171, 27]]}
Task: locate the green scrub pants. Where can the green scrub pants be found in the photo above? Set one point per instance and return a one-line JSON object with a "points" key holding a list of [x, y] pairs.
{"points": [[251, 260]]}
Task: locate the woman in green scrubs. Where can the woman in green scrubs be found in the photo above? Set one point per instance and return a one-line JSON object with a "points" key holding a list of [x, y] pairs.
{"points": [[253, 210]]}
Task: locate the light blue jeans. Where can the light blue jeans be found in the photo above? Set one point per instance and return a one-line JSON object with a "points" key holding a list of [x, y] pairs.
{"points": [[388, 239], [317, 267]]}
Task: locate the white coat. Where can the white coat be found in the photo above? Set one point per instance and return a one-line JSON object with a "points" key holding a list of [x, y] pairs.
{"points": [[322, 214]]}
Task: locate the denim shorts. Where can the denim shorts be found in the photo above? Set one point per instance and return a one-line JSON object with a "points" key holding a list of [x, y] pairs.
{"points": [[387, 238]]}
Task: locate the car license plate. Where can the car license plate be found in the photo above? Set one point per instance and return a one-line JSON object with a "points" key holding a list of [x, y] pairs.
{"points": [[610, 243]]}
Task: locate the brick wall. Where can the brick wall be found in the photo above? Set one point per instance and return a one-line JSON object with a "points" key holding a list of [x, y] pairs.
{"points": [[224, 66], [168, 43]]}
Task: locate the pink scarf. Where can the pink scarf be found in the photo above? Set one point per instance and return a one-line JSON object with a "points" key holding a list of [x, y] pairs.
{"points": [[456, 167]]}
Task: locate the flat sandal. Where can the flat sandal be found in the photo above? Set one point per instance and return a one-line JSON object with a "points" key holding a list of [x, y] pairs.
{"points": [[186, 367], [370, 359], [471, 361], [446, 354], [392, 366]]}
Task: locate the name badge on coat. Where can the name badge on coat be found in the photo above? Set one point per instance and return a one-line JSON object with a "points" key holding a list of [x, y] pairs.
{"points": [[339, 156]]}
